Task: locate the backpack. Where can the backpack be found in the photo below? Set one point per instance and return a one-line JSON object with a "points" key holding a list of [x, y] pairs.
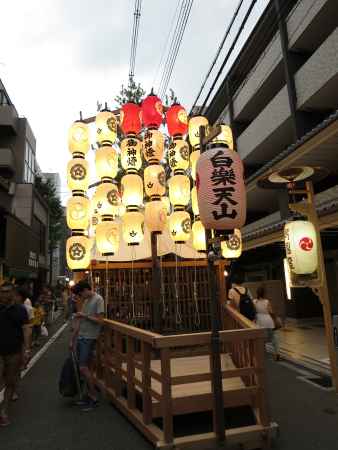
{"points": [[69, 382], [246, 305]]}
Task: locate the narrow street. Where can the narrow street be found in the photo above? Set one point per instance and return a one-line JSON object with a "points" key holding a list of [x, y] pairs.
{"points": [[306, 414]]}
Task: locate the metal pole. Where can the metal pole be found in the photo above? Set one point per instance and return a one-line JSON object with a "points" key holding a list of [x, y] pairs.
{"points": [[156, 284], [215, 360]]}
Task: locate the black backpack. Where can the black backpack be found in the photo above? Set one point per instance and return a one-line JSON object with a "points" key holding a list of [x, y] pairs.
{"points": [[69, 382], [246, 305]]}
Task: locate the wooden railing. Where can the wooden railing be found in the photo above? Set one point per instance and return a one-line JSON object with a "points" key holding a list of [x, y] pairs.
{"points": [[140, 372]]}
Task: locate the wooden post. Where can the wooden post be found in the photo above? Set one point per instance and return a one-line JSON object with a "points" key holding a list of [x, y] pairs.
{"points": [[146, 383], [118, 363], [156, 285], [167, 412], [131, 397], [259, 356]]}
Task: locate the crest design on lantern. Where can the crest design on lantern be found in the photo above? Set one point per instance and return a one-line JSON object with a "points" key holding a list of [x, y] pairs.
{"points": [[306, 244], [77, 251], [186, 225], [113, 197], [78, 172], [233, 243]]}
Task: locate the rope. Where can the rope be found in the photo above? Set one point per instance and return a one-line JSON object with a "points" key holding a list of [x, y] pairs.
{"points": [[164, 306], [178, 315]]}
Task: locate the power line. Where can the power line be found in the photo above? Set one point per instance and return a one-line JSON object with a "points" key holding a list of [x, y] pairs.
{"points": [[134, 37], [233, 45], [234, 17], [175, 45]]}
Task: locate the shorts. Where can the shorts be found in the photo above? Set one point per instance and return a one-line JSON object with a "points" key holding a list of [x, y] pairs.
{"points": [[85, 350], [10, 368]]}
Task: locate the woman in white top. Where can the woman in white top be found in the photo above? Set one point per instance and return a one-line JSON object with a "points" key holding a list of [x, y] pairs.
{"points": [[265, 319]]}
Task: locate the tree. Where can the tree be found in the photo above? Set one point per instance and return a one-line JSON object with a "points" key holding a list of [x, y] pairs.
{"points": [[56, 217], [132, 93]]}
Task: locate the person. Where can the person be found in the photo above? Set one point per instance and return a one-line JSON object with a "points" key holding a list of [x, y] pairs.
{"points": [[39, 314], [87, 329], [265, 318], [46, 300], [240, 297], [14, 338]]}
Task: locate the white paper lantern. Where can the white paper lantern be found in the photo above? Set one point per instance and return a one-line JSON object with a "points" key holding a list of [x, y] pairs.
{"points": [[108, 237], [155, 216], [220, 189], [131, 158], [166, 202], [179, 226], [78, 212], [179, 190], [154, 180], [106, 128], [194, 156], [106, 199], [78, 138], [178, 155], [78, 249], [194, 129], [232, 247], [78, 174], [133, 227], [301, 247], [198, 236], [225, 137], [194, 202], [132, 190], [153, 146], [106, 162]]}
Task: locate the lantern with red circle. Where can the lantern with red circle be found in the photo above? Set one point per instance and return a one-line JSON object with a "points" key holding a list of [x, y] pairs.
{"points": [[152, 111], [301, 247], [220, 189], [130, 118], [177, 120]]}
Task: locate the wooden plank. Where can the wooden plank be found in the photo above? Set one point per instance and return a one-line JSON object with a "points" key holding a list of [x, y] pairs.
{"points": [[168, 427], [129, 330], [239, 318], [130, 373], [182, 340], [234, 373], [146, 383], [263, 409]]}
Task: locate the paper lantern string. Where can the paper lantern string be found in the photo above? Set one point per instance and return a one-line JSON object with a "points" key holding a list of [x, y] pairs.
{"points": [[178, 314]]}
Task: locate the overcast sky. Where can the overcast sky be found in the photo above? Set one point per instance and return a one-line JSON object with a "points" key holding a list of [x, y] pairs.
{"points": [[58, 57]]}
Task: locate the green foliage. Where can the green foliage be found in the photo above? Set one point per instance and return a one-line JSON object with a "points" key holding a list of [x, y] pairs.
{"points": [[132, 93], [56, 222]]}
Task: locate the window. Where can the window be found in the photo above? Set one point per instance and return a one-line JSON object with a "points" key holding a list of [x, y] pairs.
{"points": [[40, 230], [29, 170]]}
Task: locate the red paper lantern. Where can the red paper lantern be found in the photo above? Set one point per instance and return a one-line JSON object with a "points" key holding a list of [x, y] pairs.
{"points": [[177, 120], [152, 111], [220, 189], [130, 118]]}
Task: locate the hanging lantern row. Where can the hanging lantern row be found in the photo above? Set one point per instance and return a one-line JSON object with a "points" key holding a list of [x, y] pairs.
{"points": [[115, 212]]}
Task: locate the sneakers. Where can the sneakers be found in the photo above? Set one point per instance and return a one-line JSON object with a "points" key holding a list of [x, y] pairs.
{"points": [[4, 421], [89, 405]]}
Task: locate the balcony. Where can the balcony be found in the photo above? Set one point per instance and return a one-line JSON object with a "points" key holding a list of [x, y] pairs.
{"points": [[8, 120], [7, 164]]}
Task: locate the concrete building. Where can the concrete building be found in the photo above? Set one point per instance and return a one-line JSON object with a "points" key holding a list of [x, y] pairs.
{"points": [[23, 212], [280, 97]]}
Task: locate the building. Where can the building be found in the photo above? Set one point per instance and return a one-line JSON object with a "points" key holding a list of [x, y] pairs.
{"points": [[280, 98], [23, 212]]}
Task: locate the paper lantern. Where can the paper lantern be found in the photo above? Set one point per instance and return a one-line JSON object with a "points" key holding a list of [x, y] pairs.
{"points": [[153, 146], [179, 190], [177, 120], [198, 236], [106, 128], [78, 138], [232, 247], [78, 210], [225, 137], [108, 237], [132, 190], [154, 180], [166, 202], [106, 162], [194, 202], [180, 226], [152, 111], [78, 174], [131, 159], [193, 162], [133, 227], [301, 247], [220, 189], [178, 155], [194, 129], [155, 216], [130, 118], [78, 250], [106, 199], [94, 221]]}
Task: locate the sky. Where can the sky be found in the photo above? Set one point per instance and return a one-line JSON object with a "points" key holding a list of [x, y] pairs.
{"points": [[59, 57]]}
